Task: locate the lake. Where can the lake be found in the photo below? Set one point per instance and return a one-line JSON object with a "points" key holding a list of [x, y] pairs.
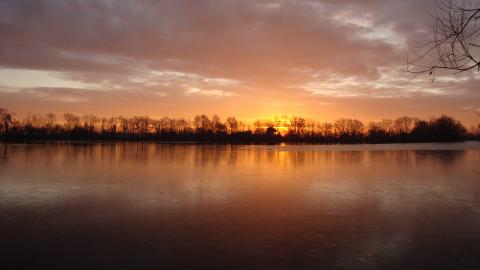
{"points": [[189, 206]]}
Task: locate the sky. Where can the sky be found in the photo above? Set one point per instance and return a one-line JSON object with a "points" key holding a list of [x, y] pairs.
{"points": [[324, 59]]}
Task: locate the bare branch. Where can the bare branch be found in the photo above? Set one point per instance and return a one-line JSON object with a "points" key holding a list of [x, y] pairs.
{"points": [[454, 40]]}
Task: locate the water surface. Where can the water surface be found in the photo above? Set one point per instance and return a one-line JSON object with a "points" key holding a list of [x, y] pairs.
{"points": [[178, 206]]}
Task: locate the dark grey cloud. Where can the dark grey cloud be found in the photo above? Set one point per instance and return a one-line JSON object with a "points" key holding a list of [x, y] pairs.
{"points": [[225, 38]]}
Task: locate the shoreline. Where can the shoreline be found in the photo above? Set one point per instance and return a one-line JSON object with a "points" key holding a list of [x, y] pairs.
{"points": [[199, 142]]}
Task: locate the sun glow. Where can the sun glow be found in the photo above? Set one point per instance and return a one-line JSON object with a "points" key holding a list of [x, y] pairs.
{"points": [[281, 123]]}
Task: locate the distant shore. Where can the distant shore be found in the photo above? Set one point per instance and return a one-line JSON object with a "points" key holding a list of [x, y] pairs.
{"points": [[226, 140], [204, 129]]}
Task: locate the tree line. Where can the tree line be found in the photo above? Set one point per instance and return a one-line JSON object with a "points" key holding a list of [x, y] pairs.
{"points": [[203, 128]]}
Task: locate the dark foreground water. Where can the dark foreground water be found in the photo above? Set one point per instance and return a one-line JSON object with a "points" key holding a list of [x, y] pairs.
{"points": [[154, 206]]}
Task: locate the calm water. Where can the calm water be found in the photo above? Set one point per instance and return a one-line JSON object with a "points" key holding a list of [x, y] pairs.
{"points": [[137, 206]]}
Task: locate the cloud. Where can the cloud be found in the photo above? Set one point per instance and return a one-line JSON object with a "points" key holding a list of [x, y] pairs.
{"points": [[58, 94], [391, 83], [203, 38], [291, 51], [160, 94], [24, 78], [208, 92]]}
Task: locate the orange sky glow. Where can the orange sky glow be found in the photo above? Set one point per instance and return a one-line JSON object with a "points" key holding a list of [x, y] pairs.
{"points": [[322, 60]]}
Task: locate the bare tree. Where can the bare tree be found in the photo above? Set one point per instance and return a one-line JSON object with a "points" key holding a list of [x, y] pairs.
{"points": [[297, 125], [351, 127], [71, 121], [182, 125], [202, 123], [405, 124], [141, 124], [164, 125], [51, 118], [454, 43], [232, 124], [326, 129], [388, 126], [38, 121], [217, 124], [90, 122], [311, 126], [259, 127], [5, 119]]}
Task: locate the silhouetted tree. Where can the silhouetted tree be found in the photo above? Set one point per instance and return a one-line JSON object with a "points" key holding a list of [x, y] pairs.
{"points": [[404, 129], [444, 128], [71, 121], [376, 130], [310, 126], [163, 125], [454, 43], [348, 127], [90, 122], [202, 123], [270, 131], [448, 129], [259, 128], [232, 124], [388, 126], [38, 121], [51, 118], [327, 129], [216, 124], [183, 125], [355, 127], [404, 125], [124, 125], [141, 124], [297, 125], [5, 120]]}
